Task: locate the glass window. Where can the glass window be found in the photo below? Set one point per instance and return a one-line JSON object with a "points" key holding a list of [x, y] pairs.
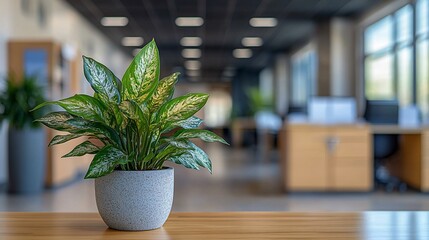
{"points": [[379, 78], [404, 24], [422, 9], [303, 77], [389, 58], [405, 76], [379, 36], [422, 77]]}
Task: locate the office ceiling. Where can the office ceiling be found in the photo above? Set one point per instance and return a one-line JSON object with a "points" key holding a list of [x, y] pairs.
{"points": [[226, 22]]}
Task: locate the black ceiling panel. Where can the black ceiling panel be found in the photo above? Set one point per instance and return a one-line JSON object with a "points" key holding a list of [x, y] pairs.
{"points": [[226, 22]]}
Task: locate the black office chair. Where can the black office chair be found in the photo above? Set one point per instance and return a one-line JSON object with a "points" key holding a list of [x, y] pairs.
{"points": [[385, 145], [297, 109]]}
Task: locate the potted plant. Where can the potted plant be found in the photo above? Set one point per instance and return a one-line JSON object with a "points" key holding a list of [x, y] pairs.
{"points": [[26, 147], [140, 127]]}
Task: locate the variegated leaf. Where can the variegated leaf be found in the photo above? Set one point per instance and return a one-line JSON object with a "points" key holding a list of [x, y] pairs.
{"points": [[142, 76], [81, 105], [102, 80], [86, 147], [57, 121], [95, 128], [58, 139], [105, 161], [163, 92], [181, 108], [202, 134]]}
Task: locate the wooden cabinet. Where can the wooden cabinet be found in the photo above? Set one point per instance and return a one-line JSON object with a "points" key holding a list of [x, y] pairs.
{"points": [[324, 157]]}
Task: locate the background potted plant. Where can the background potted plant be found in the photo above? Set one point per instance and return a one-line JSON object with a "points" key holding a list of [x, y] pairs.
{"points": [[140, 127], [26, 138]]}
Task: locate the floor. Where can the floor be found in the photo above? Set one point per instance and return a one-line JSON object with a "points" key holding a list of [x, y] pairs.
{"points": [[240, 182]]}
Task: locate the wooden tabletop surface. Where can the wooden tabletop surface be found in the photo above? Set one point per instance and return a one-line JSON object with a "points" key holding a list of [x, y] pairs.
{"points": [[231, 225]]}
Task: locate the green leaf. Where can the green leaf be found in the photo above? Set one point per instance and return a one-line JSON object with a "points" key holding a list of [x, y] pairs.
{"points": [[181, 108], [186, 153], [83, 106], [57, 120], [192, 122], [204, 135], [58, 139], [86, 147], [105, 161], [95, 128], [186, 159], [140, 114], [200, 157], [142, 76], [174, 148], [102, 80], [163, 92]]}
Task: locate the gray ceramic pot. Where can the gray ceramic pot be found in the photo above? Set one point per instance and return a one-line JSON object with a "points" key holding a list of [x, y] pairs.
{"points": [[27, 160], [135, 200]]}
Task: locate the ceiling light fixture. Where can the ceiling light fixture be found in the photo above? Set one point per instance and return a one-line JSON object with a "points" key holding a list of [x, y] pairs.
{"points": [[191, 53], [242, 53], [192, 65], [252, 41], [189, 21], [263, 22], [132, 41], [191, 41], [114, 21]]}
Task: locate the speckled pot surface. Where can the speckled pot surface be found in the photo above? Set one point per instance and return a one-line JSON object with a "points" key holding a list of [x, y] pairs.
{"points": [[135, 200]]}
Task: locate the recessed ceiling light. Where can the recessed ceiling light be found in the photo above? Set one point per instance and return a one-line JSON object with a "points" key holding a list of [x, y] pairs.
{"points": [[136, 51], [263, 22], [192, 65], [114, 21], [252, 41], [191, 41], [242, 53], [191, 53], [189, 21], [132, 41]]}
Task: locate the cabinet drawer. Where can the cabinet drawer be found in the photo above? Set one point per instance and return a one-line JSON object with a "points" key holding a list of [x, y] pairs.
{"points": [[352, 178], [351, 161], [304, 178], [358, 148], [305, 141]]}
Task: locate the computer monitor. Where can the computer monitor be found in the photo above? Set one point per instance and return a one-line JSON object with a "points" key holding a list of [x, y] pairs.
{"points": [[382, 111], [332, 110]]}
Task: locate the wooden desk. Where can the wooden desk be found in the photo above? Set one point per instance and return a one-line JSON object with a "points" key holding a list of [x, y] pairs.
{"points": [[412, 165], [234, 225]]}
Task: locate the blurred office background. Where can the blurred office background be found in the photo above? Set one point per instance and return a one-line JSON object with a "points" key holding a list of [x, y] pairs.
{"points": [[325, 102]]}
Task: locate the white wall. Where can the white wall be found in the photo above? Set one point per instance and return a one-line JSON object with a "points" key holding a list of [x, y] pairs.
{"points": [[63, 25]]}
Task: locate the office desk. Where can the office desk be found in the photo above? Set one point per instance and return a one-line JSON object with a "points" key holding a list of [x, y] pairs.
{"points": [[233, 225], [412, 166]]}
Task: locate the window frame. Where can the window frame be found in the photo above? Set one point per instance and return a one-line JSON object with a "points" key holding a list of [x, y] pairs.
{"points": [[394, 50]]}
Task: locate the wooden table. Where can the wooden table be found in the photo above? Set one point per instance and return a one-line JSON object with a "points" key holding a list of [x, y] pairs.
{"points": [[233, 225]]}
